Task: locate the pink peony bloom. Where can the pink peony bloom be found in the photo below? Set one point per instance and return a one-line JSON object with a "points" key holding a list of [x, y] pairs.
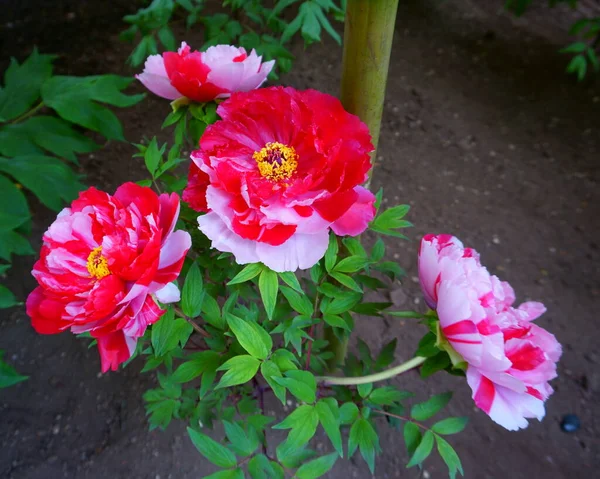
{"points": [[104, 262], [204, 76], [280, 170], [509, 359]]}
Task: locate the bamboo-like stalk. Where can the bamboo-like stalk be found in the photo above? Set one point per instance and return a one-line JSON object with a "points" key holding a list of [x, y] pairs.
{"points": [[368, 35]]}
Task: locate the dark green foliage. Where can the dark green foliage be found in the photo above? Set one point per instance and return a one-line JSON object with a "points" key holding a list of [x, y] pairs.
{"points": [[252, 24], [43, 119]]}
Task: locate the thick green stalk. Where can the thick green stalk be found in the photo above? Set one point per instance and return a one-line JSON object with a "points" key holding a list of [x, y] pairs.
{"points": [[373, 378], [368, 35]]}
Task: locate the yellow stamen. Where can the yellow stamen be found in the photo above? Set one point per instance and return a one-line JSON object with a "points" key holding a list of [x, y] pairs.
{"points": [[97, 265], [276, 161]]}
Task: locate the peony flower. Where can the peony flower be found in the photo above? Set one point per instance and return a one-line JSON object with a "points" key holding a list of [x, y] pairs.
{"points": [[280, 170], [104, 263], [204, 76], [509, 360]]}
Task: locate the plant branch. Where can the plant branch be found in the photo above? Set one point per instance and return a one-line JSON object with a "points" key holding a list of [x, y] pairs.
{"points": [[371, 378], [198, 329], [403, 418], [368, 35], [29, 113]]}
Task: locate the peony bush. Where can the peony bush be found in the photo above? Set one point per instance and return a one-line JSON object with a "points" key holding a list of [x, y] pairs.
{"points": [[247, 289]]}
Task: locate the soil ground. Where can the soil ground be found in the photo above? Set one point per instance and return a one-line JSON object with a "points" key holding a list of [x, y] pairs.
{"points": [[483, 135]]}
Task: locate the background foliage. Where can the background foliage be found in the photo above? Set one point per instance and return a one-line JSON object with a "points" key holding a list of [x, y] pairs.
{"points": [[256, 24]]}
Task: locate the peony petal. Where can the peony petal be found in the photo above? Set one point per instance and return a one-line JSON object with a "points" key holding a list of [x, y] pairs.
{"points": [[358, 217], [154, 78], [174, 249], [301, 251], [168, 294], [226, 240], [115, 349]]}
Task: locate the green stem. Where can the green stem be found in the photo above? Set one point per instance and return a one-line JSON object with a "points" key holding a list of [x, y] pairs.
{"points": [[29, 113], [368, 35], [371, 378], [339, 348]]}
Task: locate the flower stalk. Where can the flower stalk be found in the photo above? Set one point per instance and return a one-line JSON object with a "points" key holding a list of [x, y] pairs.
{"points": [[368, 35], [372, 378]]}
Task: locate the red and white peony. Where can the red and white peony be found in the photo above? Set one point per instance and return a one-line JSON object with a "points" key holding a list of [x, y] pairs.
{"points": [[204, 76], [104, 262], [510, 360], [280, 170]]}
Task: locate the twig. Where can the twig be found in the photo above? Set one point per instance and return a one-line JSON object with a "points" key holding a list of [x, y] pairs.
{"points": [[403, 418], [198, 329], [29, 113]]}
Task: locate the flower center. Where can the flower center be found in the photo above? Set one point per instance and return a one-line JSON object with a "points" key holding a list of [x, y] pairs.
{"points": [[276, 161], [97, 265]]}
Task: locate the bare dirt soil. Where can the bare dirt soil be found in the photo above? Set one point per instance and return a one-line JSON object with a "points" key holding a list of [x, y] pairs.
{"points": [[483, 135]]}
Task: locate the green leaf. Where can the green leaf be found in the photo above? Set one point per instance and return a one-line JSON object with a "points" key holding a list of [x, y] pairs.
{"points": [[427, 346], [8, 375], [301, 384], [578, 65], [246, 274], [346, 281], [12, 242], [386, 356], [303, 422], [216, 453], [336, 321], [166, 37], [364, 389], [341, 305], [291, 280], [14, 211], [252, 337], [161, 413], [331, 253], [423, 450], [7, 299], [169, 331], [241, 443], [260, 467], [22, 84], [45, 132], [240, 369], [270, 370], [436, 363], [316, 467], [390, 220], [429, 408], [189, 370], [352, 264], [449, 456], [192, 293], [577, 47], [387, 395], [78, 100], [299, 302], [412, 437], [451, 425], [348, 413], [60, 183], [268, 285], [363, 436], [152, 156], [331, 424], [311, 28]]}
